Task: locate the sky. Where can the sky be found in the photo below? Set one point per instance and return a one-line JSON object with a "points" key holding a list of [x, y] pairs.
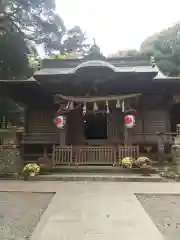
{"points": [[119, 24]]}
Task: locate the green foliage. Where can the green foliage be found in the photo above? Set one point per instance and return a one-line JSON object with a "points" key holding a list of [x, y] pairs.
{"points": [[38, 22], [24, 24], [59, 56], [10, 112], [165, 47], [13, 56], [75, 41], [34, 61]]}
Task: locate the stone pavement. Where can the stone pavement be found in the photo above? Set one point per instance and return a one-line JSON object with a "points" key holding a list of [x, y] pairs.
{"points": [[94, 210]]}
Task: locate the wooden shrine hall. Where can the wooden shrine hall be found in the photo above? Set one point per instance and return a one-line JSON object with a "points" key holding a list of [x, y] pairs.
{"points": [[96, 111]]}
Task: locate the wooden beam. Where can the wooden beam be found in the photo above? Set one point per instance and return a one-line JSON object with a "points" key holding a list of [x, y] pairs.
{"points": [[58, 98]]}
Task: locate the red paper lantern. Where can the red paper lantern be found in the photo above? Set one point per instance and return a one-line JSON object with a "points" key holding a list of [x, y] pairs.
{"points": [[129, 121], [60, 121]]}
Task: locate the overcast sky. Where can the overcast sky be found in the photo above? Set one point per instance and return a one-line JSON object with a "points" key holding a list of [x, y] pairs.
{"points": [[119, 24]]}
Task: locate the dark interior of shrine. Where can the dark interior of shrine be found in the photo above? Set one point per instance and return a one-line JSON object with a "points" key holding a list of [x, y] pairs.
{"points": [[95, 126]]}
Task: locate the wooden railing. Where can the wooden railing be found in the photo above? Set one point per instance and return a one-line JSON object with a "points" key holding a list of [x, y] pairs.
{"points": [[128, 151], [62, 155], [92, 155], [146, 137], [41, 138]]}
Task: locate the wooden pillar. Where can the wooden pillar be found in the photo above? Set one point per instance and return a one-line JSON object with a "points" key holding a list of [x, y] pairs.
{"points": [[62, 137], [125, 136]]}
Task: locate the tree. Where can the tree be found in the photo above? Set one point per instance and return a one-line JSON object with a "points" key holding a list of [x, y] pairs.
{"points": [[23, 24], [37, 21], [74, 40], [165, 47], [126, 53], [13, 56]]}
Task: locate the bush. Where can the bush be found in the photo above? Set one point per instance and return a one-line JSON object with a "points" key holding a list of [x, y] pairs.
{"points": [[44, 163]]}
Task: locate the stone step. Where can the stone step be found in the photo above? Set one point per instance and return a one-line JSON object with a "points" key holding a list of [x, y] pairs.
{"points": [[94, 170], [98, 177]]}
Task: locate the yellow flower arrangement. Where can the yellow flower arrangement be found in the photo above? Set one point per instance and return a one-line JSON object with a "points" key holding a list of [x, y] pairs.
{"points": [[127, 162], [142, 161], [31, 167]]}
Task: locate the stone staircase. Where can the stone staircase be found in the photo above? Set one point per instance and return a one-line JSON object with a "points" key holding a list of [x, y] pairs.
{"points": [[97, 173]]}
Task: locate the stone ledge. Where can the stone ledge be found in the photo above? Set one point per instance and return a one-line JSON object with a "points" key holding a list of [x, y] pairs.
{"points": [[100, 177]]}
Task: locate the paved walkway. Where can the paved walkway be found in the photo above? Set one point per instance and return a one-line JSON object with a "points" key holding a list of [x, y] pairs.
{"points": [[94, 210]]}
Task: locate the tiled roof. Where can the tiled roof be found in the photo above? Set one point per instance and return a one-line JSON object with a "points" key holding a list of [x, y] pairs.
{"points": [[116, 65], [94, 64]]}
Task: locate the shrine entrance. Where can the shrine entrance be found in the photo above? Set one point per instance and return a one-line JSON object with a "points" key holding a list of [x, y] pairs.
{"points": [[95, 126]]}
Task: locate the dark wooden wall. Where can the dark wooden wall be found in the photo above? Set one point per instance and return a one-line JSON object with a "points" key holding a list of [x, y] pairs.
{"points": [[152, 116]]}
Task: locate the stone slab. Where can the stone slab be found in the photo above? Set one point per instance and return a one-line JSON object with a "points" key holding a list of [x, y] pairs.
{"points": [[100, 177], [94, 210]]}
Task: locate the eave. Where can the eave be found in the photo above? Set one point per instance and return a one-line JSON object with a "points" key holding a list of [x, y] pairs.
{"points": [[161, 77]]}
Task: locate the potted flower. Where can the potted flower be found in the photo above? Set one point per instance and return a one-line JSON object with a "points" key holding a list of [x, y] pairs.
{"points": [[127, 162], [145, 164], [45, 163], [31, 169]]}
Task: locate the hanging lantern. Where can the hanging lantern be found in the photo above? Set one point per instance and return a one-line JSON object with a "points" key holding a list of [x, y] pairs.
{"points": [[84, 109], [60, 121], [118, 105], [129, 120]]}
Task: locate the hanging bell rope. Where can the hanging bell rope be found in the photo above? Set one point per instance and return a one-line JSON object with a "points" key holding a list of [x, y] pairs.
{"points": [[84, 109], [95, 107]]}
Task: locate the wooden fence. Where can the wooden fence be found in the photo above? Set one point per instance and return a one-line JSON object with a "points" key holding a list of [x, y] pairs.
{"points": [[92, 155], [62, 155]]}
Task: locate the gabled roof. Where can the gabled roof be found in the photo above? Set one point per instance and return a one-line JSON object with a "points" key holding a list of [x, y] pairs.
{"points": [[66, 71], [116, 65], [58, 67]]}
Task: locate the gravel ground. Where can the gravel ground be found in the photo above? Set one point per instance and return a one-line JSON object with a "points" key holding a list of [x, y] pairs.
{"points": [[164, 210], [20, 212]]}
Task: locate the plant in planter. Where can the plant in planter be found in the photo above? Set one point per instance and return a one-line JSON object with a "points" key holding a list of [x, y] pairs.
{"points": [[31, 169], [45, 163], [127, 162], [145, 164]]}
